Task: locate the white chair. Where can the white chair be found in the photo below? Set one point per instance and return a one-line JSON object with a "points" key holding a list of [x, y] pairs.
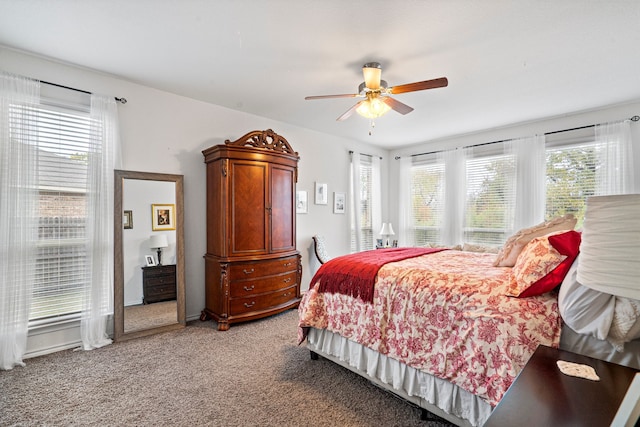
{"points": [[319, 245]]}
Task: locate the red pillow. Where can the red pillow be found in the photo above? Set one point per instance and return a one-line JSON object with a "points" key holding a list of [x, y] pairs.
{"points": [[567, 244]]}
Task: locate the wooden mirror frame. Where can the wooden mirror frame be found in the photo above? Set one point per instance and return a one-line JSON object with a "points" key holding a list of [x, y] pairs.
{"points": [[118, 283]]}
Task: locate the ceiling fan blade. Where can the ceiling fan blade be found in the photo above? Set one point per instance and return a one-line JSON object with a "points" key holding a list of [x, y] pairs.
{"points": [[346, 95], [412, 87], [396, 105], [349, 112]]}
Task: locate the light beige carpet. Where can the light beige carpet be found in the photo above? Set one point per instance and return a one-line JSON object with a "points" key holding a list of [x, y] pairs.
{"points": [[252, 375]]}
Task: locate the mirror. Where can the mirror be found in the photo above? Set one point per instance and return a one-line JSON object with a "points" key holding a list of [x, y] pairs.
{"points": [[148, 212]]}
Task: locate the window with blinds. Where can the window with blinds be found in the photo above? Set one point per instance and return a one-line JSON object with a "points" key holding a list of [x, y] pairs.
{"points": [[490, 201], [63, 146], [365, 210], [427, 202], [571, 178]]}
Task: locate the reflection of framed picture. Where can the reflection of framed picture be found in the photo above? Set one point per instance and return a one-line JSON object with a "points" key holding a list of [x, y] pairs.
{"points": [[150, 260], [339, 200], [163, 217], [301, 202], [321, 194], [127, 220]]}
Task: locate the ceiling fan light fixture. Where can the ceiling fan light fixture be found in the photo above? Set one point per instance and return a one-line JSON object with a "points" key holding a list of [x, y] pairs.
{"points": [[372, 72], [372, 108]]}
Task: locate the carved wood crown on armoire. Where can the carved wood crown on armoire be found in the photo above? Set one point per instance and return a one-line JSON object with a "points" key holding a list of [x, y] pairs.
{"points": [[253, 269]]}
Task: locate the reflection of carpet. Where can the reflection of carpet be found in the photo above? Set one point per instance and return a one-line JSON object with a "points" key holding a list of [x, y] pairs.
{"points": [[139, 317]]}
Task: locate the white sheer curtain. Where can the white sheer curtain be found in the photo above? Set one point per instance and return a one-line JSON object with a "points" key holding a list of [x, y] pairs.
{"points": [[455, 195], [104, 157], [355, 202], [406, 235], [19, 208], [376, 196], [615, 176], [530, 180]]}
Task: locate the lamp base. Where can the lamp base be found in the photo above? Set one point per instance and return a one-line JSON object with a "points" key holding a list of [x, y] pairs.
{"points": [[159, 256]]}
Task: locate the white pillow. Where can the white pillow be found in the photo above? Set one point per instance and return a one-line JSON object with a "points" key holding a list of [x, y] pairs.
{"points": [[583, 309]]}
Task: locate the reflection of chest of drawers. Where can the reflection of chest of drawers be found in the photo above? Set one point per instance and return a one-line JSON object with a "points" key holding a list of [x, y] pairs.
{"points": [[158, 283]]}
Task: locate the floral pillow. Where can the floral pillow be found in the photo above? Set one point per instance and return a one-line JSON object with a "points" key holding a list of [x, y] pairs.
{"points": [[515, 244], [544, 262]]}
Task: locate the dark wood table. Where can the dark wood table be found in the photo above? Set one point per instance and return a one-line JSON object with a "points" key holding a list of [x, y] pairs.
{"points": [[543, 396]]}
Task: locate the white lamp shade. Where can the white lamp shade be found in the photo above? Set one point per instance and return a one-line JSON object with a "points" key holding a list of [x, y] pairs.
{"points": [[610, 248], [158, 241], [387, 229]]}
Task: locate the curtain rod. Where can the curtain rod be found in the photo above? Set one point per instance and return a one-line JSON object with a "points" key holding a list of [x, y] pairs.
{"points": [[633, 119], [120, 100], [363, 154]]}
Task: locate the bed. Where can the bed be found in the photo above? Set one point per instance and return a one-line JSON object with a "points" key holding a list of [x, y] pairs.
{"points": [[449, 330]]}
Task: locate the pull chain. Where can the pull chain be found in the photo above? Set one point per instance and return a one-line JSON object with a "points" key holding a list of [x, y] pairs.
{"points": [[373, 125]]}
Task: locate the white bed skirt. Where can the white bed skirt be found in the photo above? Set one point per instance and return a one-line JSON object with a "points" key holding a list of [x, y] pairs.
{"points": [[437, 396]]}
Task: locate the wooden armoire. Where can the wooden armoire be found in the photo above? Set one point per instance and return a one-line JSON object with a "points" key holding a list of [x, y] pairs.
{"points": [[252, 266]]}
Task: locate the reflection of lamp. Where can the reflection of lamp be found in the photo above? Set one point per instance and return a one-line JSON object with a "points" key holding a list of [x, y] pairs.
{"points": [[373, 107], [387, 230], [609, 260], [159, 241]]}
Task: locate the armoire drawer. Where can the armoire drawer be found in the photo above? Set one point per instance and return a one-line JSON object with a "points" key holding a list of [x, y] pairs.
{"points": [[239, 306], [244, 288], [250, 270]]}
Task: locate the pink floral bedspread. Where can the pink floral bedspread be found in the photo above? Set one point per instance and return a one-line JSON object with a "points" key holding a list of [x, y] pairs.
{"points": [[445, 314]]}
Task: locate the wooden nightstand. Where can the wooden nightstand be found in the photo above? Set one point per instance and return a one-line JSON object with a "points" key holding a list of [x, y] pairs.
{"points": [[543, 396], [158, 283]]}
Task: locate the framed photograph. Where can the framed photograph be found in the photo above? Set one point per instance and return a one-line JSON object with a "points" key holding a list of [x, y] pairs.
{"points": [[395, 244], [150, 260], [163, 217], [301, 202], [339, 200], [378, 243], [321, 194], [127, 220]]}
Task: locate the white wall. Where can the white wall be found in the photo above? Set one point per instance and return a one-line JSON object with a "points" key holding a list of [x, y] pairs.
{"points": [[166, 133]]}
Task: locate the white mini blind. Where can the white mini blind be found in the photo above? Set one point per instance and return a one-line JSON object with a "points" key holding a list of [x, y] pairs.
{"points": [[571, 178], [62, 149], [490, 203], [427, 202], [365, 210]]}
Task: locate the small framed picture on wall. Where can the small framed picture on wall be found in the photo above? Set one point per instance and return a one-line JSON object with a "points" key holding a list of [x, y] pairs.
{"points": [[301, 202], [339, 201], [321, 194]]}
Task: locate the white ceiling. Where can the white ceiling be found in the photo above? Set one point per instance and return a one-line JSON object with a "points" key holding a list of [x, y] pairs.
{"points": [[507, 61]]}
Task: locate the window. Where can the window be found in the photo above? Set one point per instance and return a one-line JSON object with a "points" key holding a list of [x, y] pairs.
{"points": [[427, 201], [571, 178], [365, 208], [63, 146], [490, 199]]}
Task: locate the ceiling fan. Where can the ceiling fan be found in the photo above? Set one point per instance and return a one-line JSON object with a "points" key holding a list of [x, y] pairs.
{"points": [[377, 94]]}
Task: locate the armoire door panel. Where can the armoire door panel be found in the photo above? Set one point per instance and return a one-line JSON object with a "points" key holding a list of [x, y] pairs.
{"points": [[248, 208], [282, 212]]}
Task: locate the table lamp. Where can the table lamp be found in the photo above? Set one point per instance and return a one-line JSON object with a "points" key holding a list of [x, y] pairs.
{"points": [[159, 241], [387, 230]]}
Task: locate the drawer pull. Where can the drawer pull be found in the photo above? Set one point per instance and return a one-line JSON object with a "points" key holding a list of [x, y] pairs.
{"points": [[248, 288], [287, 264], [248, 271], [286, 294], [249, 305], [287, 280]]}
